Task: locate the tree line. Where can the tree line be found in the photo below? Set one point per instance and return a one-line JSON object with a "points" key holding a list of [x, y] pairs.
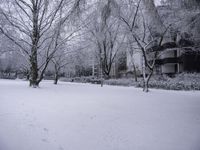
{"points": [[55, 32]]}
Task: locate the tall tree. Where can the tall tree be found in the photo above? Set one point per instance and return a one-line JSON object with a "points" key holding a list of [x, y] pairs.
{"points": [[35, 21], [144, 35], [107, 37]]}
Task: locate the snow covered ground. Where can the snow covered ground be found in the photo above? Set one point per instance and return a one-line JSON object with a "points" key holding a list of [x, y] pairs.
{"points": [[73, 116]]}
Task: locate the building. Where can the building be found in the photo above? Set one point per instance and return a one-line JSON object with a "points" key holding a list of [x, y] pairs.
{"points": [[178, 60], [184, 53]]}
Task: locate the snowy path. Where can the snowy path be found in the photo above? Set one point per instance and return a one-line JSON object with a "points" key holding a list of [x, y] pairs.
{"points": [[87, 117]]}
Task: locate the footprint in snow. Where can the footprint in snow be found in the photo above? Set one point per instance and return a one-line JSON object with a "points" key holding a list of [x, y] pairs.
{"points": [[31, 125], [60, 148], [45, 140], [45, 129], [93, 117]]}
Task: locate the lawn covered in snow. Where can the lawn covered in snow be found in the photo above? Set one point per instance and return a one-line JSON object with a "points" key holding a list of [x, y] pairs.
{"points": [[73, 116]]}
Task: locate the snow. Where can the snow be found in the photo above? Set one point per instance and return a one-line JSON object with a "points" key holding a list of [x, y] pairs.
{"points": [[73, 116]]}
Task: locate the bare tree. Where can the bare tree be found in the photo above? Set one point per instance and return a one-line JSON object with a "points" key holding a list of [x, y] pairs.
{"points": [[145, 37], [59, 63], [35, 21], [105, 34]]}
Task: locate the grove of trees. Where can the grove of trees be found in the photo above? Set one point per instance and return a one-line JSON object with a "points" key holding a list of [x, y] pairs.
{"points": [[80, 34]]}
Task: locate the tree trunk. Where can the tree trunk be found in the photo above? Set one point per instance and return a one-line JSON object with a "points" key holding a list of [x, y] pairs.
{"points": [[34, 71], [146, 78], [56, 78], [27, 77], [135, 73], [101, 69], [146, 86], [33, 59], [146, 81]]}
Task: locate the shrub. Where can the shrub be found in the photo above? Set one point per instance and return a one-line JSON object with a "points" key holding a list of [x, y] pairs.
{"points": [[122, 82], [183, 81]]}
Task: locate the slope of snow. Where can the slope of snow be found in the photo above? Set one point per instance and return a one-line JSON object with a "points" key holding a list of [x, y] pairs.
{"points": [[73, 116]]}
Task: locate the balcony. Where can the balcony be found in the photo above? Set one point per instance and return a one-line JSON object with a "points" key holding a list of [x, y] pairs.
{"points": [[173, 60]]}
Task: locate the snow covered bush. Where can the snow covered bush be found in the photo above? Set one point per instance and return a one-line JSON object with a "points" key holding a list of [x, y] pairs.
{"points": [[88, 79], [183, 81], [121, 82], [4, 75]]}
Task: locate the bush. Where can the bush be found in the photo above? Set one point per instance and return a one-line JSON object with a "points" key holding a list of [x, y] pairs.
{"points": [[11, 75], [121, 82], [89, 79], [184, 81]]}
